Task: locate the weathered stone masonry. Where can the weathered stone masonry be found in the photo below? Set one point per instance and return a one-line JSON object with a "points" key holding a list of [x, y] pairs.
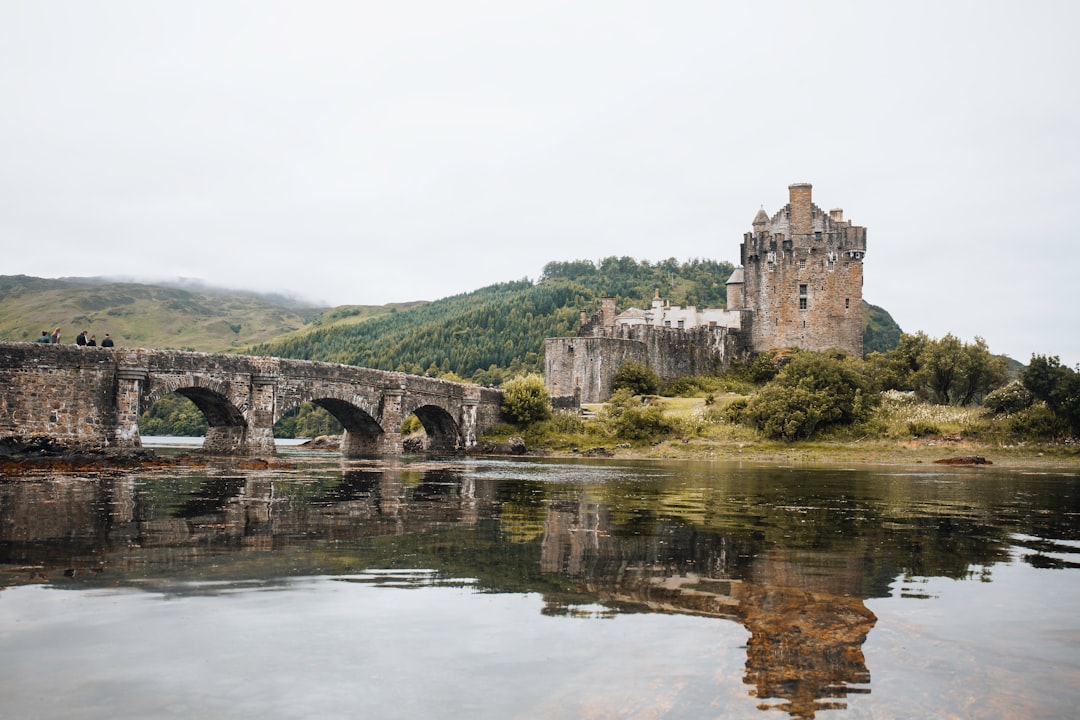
{"points": [[91, 398], [800, 285]]}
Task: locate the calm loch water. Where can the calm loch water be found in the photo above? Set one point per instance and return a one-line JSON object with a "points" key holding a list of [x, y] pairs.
{"points": [[540, 589]]}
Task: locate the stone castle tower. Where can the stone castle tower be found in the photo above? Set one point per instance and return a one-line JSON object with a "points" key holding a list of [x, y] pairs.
{"points": [[802, 278]]}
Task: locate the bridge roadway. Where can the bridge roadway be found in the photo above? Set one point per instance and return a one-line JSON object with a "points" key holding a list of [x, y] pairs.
{"points": [[91, 398]]}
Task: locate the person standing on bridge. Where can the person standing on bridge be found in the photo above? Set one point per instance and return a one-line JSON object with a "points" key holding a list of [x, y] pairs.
{"points": [[55, 337], [106, 341], [80, 339], [92, 342], [44, 337]]}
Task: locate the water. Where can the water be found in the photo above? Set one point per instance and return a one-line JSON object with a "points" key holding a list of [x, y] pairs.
{"points": [[539, 589]]}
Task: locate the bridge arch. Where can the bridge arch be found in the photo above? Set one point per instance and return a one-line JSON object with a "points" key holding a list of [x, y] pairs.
{"points": [[359, 414], [442, 430], [228, 424]]}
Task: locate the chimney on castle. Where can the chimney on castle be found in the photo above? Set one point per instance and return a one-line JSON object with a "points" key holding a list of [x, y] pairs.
{"points": [[802, 219], [607, 312]]}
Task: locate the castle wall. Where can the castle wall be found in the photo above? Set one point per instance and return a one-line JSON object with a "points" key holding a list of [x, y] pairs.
{"points": [[586, 365]]}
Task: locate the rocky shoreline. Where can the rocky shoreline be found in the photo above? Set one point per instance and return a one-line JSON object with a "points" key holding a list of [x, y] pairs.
{"points": [[44, 454]]}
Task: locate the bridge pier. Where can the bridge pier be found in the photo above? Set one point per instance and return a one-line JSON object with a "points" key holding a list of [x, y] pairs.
{"points": [[259, 438], [129, 389], [389, 443], [467, 423]]}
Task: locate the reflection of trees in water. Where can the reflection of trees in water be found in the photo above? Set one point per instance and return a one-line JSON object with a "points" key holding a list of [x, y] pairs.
{"points": [[791, 566]]}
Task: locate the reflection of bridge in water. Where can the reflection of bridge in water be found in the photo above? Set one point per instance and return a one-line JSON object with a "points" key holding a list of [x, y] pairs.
{"points": [[804, 612]]}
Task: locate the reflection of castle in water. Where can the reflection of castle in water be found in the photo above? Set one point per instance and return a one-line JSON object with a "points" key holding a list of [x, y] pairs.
{"points": [[803, 608], [805, 615]]}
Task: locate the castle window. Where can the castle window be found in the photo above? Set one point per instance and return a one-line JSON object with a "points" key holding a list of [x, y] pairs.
{"points": [[802, 264], [682, 324], [817, 234], [802, 297], [847, 303], [667, 323]]}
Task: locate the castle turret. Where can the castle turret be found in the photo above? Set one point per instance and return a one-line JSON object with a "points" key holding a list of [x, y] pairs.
{"points": [[761, 220], [735, 290]]}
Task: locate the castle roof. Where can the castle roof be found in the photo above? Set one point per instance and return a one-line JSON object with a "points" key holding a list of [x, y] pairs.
{"points": [[632, 312], [736, 277], [761, 217]]}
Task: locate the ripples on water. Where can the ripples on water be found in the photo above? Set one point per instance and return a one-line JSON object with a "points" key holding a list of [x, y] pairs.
{"points": [[539, 588]]}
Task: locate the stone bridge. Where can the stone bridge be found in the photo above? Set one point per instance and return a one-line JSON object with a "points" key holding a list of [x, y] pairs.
{"points": [[91, 398]]}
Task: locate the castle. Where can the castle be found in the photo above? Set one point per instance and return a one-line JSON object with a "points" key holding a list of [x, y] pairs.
{"points": [[799, 285]]}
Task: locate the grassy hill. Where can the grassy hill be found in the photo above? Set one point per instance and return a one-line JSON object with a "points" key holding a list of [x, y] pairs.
{"points": [[142, 315]]}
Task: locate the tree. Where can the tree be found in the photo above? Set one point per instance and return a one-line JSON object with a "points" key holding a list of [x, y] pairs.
{"points": [[980, 372], [946, 371], [173, 414], [526, 399], [1056, 385], [637, 378]]}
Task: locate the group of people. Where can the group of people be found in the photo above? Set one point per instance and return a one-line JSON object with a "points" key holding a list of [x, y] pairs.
{"points": [[80, 339]]}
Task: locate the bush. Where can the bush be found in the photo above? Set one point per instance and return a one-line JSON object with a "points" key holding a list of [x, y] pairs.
{"points": [[625, 417], [810, 393], [760, 370], [704, 385], [1037, 422], [526, 399], [1011, 398], [921, 428], [636, 378]]}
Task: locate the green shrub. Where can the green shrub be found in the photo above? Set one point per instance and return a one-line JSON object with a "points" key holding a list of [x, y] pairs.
{"points": [[811, 392], [697, 385], [526, 399], [921, 428], [625, 417], [1037, 422], [686, 386], [733, 411], [760, 370], [637, 378], [1011, 398], [411, 425]]}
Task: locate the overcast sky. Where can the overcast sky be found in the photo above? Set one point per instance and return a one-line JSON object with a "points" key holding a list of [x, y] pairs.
{"points": [[375, 152]]}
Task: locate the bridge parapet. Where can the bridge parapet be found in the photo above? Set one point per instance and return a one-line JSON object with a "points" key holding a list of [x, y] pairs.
{"points": [[85, 398]]}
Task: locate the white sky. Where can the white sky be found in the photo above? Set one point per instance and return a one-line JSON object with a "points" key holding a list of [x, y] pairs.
{"points": [[374, 152]]}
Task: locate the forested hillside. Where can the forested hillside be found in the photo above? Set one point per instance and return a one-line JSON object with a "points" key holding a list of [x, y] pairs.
{"points": [[499, 331]]}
